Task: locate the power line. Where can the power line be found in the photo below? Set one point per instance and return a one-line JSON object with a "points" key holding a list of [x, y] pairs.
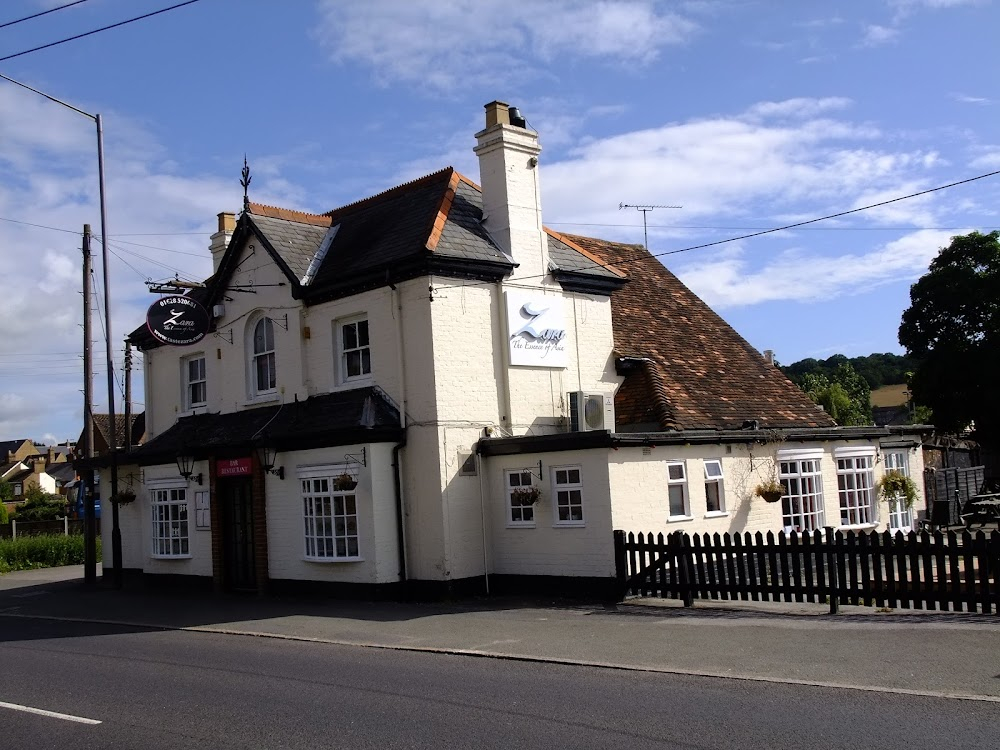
{"points": [[753, 229], [97, 31], [636, 258], [787, 226], [43, 13]]}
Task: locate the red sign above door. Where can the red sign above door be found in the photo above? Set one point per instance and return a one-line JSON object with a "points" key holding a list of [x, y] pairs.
{"points": [[233, 467]]}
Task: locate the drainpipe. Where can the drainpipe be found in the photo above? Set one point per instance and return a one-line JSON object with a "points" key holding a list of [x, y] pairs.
{"points": [[397, 472], [482, 510], [505, 402], [400, 529]]}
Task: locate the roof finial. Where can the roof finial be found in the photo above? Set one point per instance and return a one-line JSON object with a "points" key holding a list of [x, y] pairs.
{"points": [[245, 182]]}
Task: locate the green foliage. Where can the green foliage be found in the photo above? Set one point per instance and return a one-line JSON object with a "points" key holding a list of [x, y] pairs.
{"points": [[876, 369], [895, 485], [6, 491], [844, 394], [40, 506], [47, 551], [952, 327], [4, 515]]}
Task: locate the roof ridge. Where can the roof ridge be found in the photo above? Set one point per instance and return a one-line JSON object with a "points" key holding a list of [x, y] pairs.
{"points": [[395, 189], [289, 214], [444, 208]]}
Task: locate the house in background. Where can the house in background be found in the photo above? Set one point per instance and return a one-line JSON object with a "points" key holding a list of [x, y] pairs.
{"points": [[429, 392]]}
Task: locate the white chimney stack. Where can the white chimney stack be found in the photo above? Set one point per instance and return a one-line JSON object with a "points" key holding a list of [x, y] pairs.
{"points": [[220, 240], [508, 172]]}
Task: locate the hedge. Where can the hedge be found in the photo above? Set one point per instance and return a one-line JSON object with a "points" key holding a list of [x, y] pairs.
{"points": [[46, 551]]}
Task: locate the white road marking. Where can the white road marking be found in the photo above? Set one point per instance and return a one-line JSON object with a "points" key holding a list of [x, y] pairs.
{"points": [[50, 714]]}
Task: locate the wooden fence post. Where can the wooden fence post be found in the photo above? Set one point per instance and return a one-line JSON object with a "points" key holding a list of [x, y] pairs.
{"points": [[833, 578], [684, 558], [621, 565]]}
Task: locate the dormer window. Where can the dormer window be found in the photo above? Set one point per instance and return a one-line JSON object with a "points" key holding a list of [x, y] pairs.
{"points": [[263, 370]]}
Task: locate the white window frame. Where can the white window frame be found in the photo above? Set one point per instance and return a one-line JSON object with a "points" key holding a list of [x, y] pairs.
{"points": [[856, 487], [189, 383], [567, 495], [900, 517], [268, 355], [682, 483], [344, 377], [801, 474], [718, 481], [170, 521], [324, 526], [518, 516]]}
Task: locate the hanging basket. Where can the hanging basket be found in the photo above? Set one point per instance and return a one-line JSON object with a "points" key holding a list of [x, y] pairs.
{"points": [[123, 497], [771, 491], [525, 495], [344, 482]]}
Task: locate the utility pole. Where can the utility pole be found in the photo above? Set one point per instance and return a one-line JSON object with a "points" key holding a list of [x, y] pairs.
{"points": [[645, 210], [116, 534], [128, 397], [89, 510]]}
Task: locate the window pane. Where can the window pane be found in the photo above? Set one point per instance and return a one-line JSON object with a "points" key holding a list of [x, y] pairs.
{"points": [[712, 500], [362, 333], [676, 495], [675, 471], [350, 336]]}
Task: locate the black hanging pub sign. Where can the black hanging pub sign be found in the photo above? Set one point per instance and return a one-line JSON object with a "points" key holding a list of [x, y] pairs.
{"points": [[178, 320]]}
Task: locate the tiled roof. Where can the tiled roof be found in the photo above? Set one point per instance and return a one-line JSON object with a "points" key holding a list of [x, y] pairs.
{"points": [[102, 424], [357, 415], [698, 372]]}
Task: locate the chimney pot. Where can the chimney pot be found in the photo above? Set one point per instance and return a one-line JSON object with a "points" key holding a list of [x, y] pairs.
{"points": [[769, 356], [497, 113]]}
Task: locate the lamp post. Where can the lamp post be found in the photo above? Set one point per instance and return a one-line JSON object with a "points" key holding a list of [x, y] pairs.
{"points": [[116, 534]]}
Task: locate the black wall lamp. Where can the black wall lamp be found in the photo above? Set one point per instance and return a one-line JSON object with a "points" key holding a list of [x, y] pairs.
{"points": [[265, 457], [185, 465]]}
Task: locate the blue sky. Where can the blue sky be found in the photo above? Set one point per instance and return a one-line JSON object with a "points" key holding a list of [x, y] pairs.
{"points": [[749, 115]]}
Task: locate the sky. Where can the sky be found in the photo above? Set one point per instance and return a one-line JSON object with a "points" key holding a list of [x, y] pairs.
{"points": [[748, 115]]}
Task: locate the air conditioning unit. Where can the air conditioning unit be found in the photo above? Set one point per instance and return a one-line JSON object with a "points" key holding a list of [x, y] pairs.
{"points": [[591, 411]]}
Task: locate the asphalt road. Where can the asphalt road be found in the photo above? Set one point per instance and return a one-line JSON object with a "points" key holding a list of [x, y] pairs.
{"points": [[174, 689]]}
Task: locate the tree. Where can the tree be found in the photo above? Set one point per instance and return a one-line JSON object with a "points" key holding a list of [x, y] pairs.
{"points": [[952, 329], [845, 395], [39, 505]]}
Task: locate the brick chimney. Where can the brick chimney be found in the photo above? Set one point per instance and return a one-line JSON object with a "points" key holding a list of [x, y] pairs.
{"points": [[220, 240], [508, 172]]}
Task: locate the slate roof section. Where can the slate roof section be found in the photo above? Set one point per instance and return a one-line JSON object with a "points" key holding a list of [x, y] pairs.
{"points": [[690, 370], [360, 415], [295, 241], [432, 225]]}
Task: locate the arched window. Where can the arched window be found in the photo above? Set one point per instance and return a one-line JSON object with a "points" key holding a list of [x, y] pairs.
{"points": [[262, 365]]}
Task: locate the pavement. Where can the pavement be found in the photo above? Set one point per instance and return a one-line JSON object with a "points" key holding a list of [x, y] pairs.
{"points": [[937, 654]]}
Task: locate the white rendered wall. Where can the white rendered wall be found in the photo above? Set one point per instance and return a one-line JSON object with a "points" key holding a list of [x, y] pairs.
{"points": [[639, 487], [547, 548], [136, 522], [376, 509]]}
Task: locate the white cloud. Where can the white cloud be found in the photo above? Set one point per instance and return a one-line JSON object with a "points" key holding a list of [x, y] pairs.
{"points": [[798, 275], [874, 35], [966, 99], [797, 108], [474, 42], [988, 158]]}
